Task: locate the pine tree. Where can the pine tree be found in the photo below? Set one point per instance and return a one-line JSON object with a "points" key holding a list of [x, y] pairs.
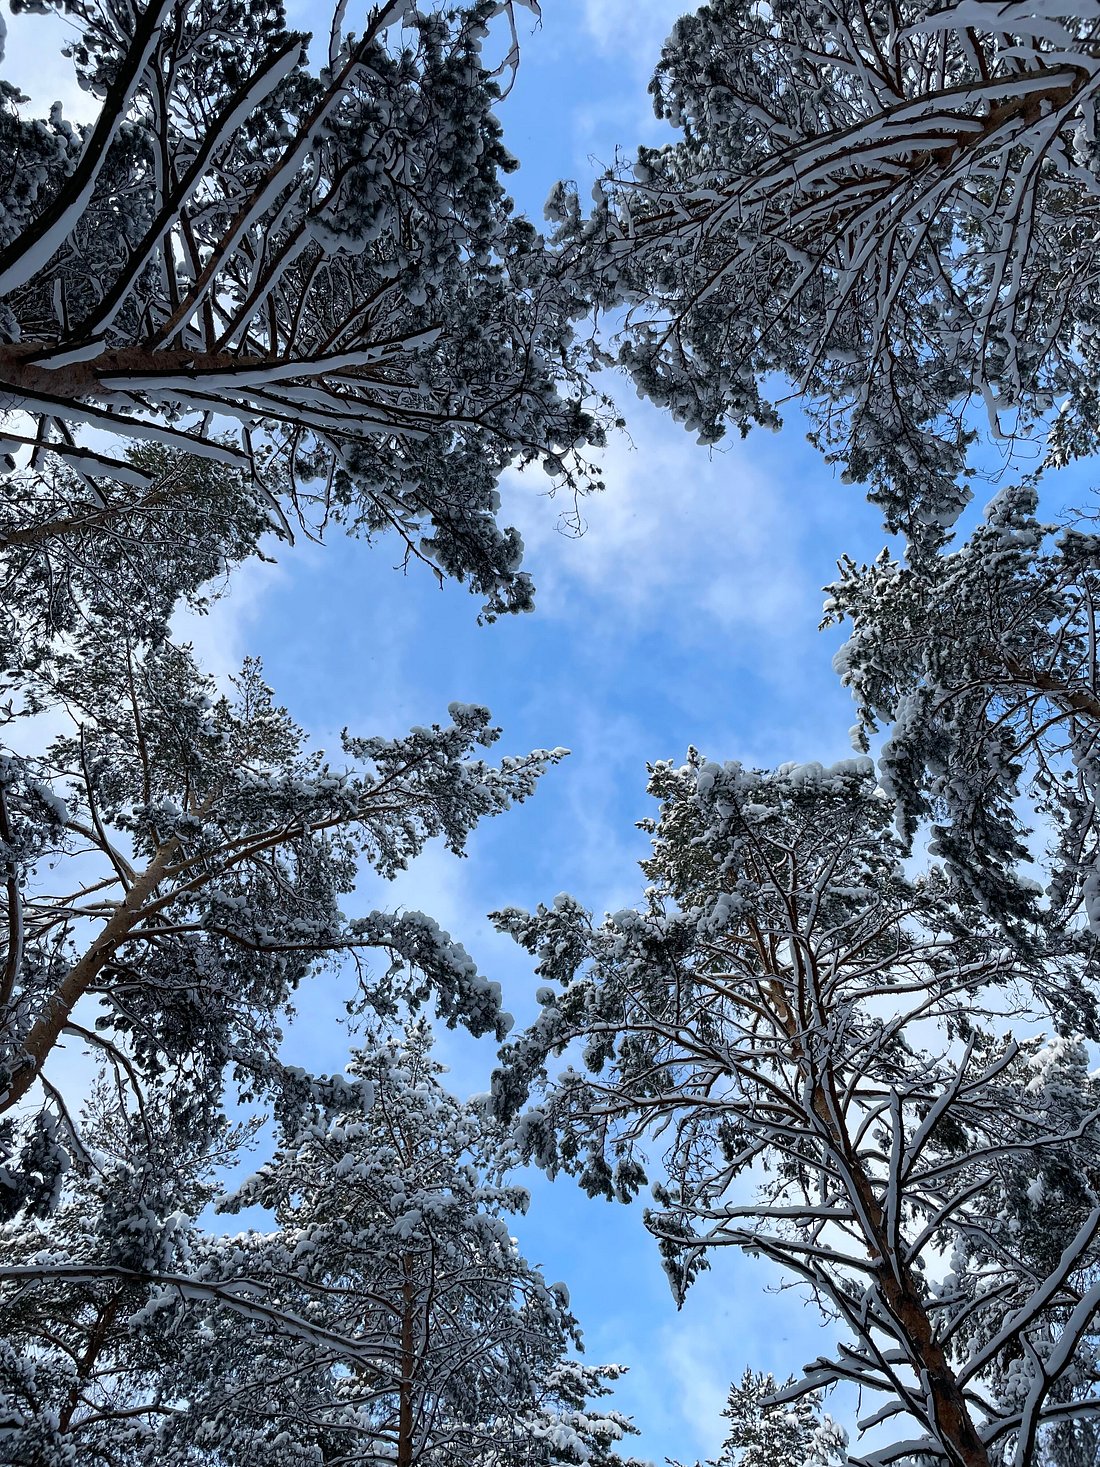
{"points": [[176, 864], [890, 206], [388, 1317], [981, 667], [762, 1433], [821, 1047], [312, 278]]}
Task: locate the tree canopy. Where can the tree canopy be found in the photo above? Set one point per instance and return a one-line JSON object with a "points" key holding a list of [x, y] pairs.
{"points": [[891, 206], [276, 283], [386, 1317], [308, 275], [789, 1010], [266, 289]]}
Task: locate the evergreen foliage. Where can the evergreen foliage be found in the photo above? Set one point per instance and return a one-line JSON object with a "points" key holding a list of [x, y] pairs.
{"points": [[891, 206], [809, 1054], [847, 1025], [257, 295], [387, 1318]]}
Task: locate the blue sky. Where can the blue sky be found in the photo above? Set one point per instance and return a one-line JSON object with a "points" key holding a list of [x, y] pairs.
{"points": [[686, 614]]}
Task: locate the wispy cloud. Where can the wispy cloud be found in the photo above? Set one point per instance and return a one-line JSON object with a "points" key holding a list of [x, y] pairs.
{"points": [[223, 636], [734, 1318], [632, 29], [33, 62], [703, 536]]}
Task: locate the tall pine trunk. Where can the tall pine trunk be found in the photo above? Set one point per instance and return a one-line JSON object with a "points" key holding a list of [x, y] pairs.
{"points": [[408, 1368]]}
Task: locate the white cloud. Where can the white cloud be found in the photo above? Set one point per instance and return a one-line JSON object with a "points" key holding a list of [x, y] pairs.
{"points": [[735, 1317], [32, 61], [221, 637], [634, 29], [691, 1364], [702, 536]]}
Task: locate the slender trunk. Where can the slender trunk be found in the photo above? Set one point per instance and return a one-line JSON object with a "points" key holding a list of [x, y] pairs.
{"points": [[92, 517], [407, 1366], [953, 1423], [96, 1340], [46, 1030], [13, 958], [897, 1283]]}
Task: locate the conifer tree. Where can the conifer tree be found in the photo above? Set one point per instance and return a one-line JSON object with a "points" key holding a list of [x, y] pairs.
{"points": [[384, 1316], [819, 1047], [201, 851], [299, 266], [762, 1433], [890, 206]]}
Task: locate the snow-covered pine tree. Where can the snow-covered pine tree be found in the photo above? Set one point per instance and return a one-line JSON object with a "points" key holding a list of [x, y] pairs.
{"points": [[66, 564], [175, 864], [81, 1366], [1075, 1444], [891, 205], [258, 290], [762, 1433], [820, 1047], [391, 1228], [981, 666], [301, 267], [389, 1318]]}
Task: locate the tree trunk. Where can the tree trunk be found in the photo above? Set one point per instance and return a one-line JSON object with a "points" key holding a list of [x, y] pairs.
{"points": [[898, 1286], [953, 1423], [408, 1366], [46, 1030]]}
